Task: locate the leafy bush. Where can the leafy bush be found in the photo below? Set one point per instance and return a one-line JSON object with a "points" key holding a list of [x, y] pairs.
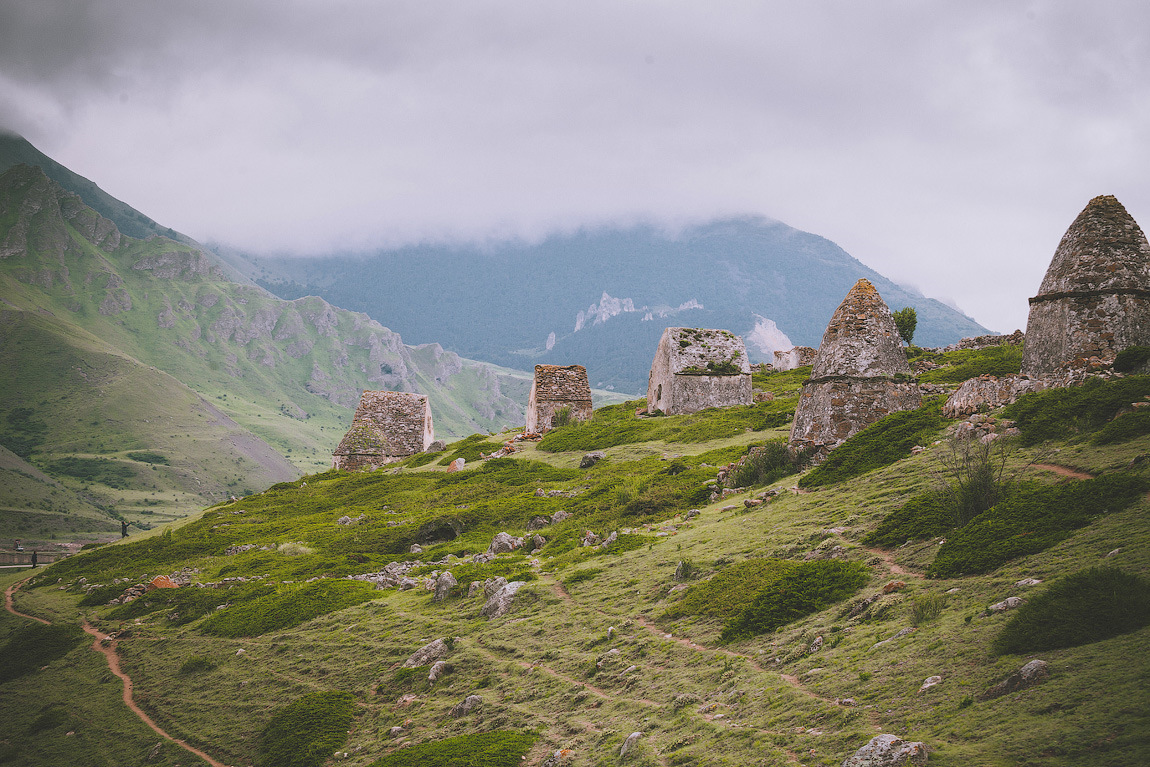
{"points": [[37, 645], [808, 588], [1031, 520], [1051, 414], [1125, 427], [923, 516], [906, 320], [959, 365], [763, 465], [880, 444], [289, 606], [306, 732], [1088, 606], [490, 749], [1132, 359]]}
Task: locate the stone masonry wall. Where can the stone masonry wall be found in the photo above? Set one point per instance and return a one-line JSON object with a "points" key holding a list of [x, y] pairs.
{"points": [[556, 387], [697, 368], [387, 426], [831, 411]]}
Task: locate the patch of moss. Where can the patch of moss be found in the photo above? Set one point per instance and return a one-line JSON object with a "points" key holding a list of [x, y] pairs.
{"points": [[1088, 606], [31, 647]]}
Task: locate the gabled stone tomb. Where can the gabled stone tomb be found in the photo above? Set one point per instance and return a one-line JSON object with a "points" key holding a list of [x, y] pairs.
{"points": [[696, 368], [1095, 298], [388, 426], [860, 374], [557, 388]]}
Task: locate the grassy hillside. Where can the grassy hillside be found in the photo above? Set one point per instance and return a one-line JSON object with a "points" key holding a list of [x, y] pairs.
{"points": [[749, 633]]}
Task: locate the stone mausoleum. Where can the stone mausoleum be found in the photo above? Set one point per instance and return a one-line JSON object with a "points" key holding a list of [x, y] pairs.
{"points": [[1095, 298], [695, 368], [388, 426], [555, 390], [860, 374]]}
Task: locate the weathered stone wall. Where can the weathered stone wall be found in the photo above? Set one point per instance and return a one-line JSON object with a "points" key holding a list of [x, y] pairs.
{"points": [[983, 342], [1095, 298], [987, 393], [832, 410], [795, 358], [387, 426], [697, 368], [556, 387]]}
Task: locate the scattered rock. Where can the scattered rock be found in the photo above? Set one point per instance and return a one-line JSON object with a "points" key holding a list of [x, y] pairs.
{"points": [[436, 446], [395, 732], [1007, 604], [751, 503], [815, 646], [559, 516], [241, 651], [537, 523], [893, 586], [693, 513], [628, 743], [500, 602], [347, 521], [590, 539], [415, 549], [899, 635], [504, 543], [492, 585], [888, 751], [846, 702], [466, 706], [1027, 582], [456, 465], [610, 539], [443, 585], [931, 681], [1032, 673], [428, 654], [474, 587], [154, 752], [538, 541], [590, 459], [1113, 553], [439, 669]]}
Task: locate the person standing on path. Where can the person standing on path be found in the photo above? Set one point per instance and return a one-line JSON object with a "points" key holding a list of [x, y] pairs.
{"points": [[34, 558], [123, 529]]}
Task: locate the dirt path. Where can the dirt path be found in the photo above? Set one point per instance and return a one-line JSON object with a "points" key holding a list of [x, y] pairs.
{"points": [[888, 559], [109, 652], [10, 606], [1064, 471]]}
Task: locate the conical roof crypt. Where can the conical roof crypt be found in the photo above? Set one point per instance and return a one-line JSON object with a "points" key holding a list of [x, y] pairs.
{"points": [[858, 375], [1095, 299]]}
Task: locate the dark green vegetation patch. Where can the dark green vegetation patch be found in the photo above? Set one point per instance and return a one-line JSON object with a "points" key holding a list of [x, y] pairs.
{"points": [[35, 646], [289, 605], [306, 732], [1125, 427], [618, 425], [880, 444], [147, 456], [923, 516], [490, 749], [101, 470], [1031, 520], [763, 465], [1132, 359], [760, 595], [1055, 413], [1088, 606]]}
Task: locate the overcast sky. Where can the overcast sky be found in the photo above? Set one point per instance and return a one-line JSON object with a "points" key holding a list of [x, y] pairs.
{"points": [[947, 145]]}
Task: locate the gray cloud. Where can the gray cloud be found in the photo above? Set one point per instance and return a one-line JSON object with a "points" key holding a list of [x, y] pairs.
{"points": [[946, 145]]}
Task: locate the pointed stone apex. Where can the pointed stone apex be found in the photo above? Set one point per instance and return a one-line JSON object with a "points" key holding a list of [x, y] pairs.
{"points": [[861, 339], [1104, 249]]}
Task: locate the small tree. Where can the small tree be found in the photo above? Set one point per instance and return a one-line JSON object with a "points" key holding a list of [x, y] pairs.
{"points": [[906, 319]]}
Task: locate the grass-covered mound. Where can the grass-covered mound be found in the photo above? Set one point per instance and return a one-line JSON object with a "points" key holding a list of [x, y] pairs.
{"points": [[763, 465], [760, 595], [490, 749], [880, 444], [290, 605], [1032, 519], [306, 732], [961, 364], [467, 448], [35, 646], [1125, 427], [1055, 413], [618, 425], [186, 604], [923, 516], [1132, 359], [1088, 606]]}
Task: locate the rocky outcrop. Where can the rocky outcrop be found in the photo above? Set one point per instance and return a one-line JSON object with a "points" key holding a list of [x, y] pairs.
{"points": [[1095, 298], [1034, 672], [859, 375], [428, 654], [499, 604], [888, 751], [989, 392]]}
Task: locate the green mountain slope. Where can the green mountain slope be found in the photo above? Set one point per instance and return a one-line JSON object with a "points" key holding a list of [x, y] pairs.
{"points": [[119, 344], [760, 629]]}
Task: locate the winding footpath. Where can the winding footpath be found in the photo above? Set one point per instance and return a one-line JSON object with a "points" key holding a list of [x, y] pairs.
{"points": [[103, 645]]}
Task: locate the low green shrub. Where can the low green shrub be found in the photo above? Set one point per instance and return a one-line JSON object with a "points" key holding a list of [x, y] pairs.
{"points": [[579, 576], [306, 732], [422, 459], [880, 444], [197, 664], [490, 749], [1055, 413], [469, 449], [925, 515], [926, 608], [1132, 359], [147, 456], [763, 465], [102, 595], [731, 590], [1088, 606], [808, 588], [288, 606], [36, 645], [1125, 427], [1031, 520], [961, 364], [101, 470], [186, 604]]}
